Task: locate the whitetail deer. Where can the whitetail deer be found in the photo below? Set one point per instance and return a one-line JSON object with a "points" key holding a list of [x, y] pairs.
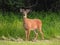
{"points": [[31, 24]]}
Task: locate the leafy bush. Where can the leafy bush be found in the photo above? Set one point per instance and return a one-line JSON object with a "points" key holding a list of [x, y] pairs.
{"points": [[11, 25]]}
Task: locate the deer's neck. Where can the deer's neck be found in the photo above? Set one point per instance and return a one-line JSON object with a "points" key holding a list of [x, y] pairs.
{"points": [[25, 16], [25, 19]]}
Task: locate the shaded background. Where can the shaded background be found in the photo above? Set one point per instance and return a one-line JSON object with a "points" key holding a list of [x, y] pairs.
{"points": [[14, 5]]}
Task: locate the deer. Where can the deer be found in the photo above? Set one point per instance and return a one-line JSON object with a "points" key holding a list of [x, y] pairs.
{"points": [[31, 24]]}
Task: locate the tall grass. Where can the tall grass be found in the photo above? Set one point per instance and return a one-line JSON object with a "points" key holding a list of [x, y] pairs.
{"points": [[11, 24]]}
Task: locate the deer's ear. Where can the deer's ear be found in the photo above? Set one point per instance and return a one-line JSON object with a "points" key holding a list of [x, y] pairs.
{"points": [[28, 10], [21, 10]]}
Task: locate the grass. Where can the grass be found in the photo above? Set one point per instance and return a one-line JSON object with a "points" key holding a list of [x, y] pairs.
{"points": [[11, 24], [41, 42]]}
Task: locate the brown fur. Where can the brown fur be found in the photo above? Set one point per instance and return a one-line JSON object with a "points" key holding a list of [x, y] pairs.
{"points": [[31, 24]]}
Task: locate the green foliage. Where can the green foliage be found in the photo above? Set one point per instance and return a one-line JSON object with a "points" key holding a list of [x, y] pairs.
{"points": [[14, 2], [12, 25], [51, 22]]}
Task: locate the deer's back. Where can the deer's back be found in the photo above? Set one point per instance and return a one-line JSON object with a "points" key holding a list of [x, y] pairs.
{"points": [[32, 24]]}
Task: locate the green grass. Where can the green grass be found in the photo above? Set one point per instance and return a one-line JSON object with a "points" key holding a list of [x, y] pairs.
{"points": [[11, 24], [41, 42]]}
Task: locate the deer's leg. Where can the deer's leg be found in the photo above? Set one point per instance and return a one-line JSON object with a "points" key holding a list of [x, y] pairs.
{"points": [[36, 35], [40, 29], [27, 34]]}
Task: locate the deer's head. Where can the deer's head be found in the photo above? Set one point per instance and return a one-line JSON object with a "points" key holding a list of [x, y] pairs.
{"points": [[25, 12], [26, 9]]}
